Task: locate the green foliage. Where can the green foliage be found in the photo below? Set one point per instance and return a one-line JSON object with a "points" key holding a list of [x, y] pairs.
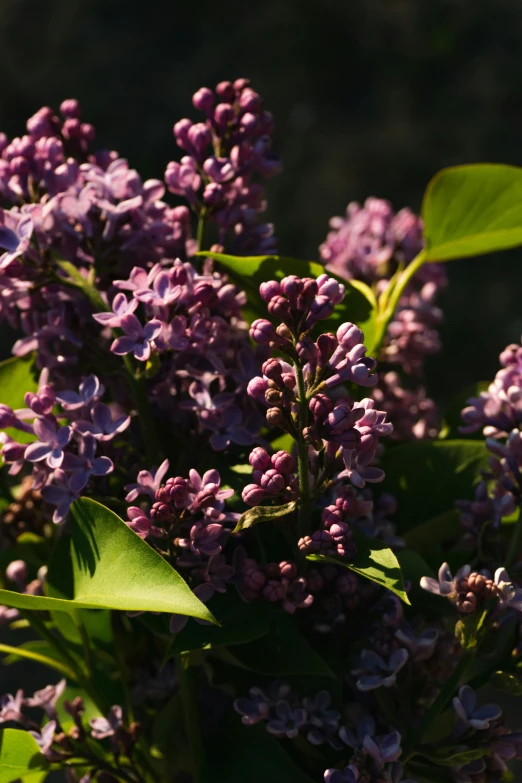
{"points": [[239, 623], [505, 681], [113, 568], [19, 755], [427, 477], [259, 514], [17, 376], [374, 561], [242, 753], [359, 305], [275, 654], [471, 210]]}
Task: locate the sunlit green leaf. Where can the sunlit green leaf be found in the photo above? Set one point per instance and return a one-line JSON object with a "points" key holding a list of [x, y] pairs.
{"points": [[19, 755], [374, 561], [113, 568], [17, 376], [473, 209]]}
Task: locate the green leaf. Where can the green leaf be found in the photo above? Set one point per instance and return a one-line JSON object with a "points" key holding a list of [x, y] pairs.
{"points": [[426, 477], [466, 631], [359, 305], [283, 652], [374, 561], [451, 757], [113, 568], [248, 753], [434, 533], [504, 681], [19, 755], [471, 210], [263, 514], [17, 376], [240, 623]]}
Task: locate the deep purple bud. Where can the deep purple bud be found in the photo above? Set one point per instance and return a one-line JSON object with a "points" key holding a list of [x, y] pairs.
{"points": [[181, 130], [322, 307], [280, 307], [12, 451], [7, 417], [241, 84], [249, 100], [253, 494], [274, 591], [70, 108], [259, 458], [198, 137], [346, 583], [160, 512], [349, 336], [225, 91], [269, 289], [326, 344], [203, 100], [283, 462], [291, 287], [263, 332], [213, 194], [288, 570], [273, 482], [272, 370], [223, 115], [320, 407]]}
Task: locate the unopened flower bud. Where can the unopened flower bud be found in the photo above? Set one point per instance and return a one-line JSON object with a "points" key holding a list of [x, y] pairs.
{"points": [[203, 100], [253, 494], [259, 458], [283, 462]]}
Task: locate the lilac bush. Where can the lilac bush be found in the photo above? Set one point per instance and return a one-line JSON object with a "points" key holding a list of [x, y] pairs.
{"points": [[235, 528]]}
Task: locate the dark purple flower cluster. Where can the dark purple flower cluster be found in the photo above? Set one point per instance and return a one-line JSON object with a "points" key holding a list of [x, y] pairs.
{"points": [[498, 412], [59, 745], [370, 244], [64, 452], [224, 155], [335, 536]]}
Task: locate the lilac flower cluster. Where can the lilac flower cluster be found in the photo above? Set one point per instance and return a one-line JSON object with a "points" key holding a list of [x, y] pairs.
{"points": [[59, 745], [498, 412], [470, 591], [92, 211], [369, 244], [224, 155], [335, 536], [482, 727], [63, 456]]}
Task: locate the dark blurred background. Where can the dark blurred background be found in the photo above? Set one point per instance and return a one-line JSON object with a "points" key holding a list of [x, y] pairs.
{"points": [[371, 97]]}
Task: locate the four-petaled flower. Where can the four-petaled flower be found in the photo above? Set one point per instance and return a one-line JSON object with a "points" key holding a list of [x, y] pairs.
{"points": [[137, 338], [51, 442], [106, 727]]}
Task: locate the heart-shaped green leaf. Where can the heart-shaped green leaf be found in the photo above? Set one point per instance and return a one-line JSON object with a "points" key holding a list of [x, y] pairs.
{"points": [[113, 568], [359, 305], [19, 755], [471, 210]]}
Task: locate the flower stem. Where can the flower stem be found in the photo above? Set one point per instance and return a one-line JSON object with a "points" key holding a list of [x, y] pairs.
{"points": [[200, 236], [302, 451]]}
